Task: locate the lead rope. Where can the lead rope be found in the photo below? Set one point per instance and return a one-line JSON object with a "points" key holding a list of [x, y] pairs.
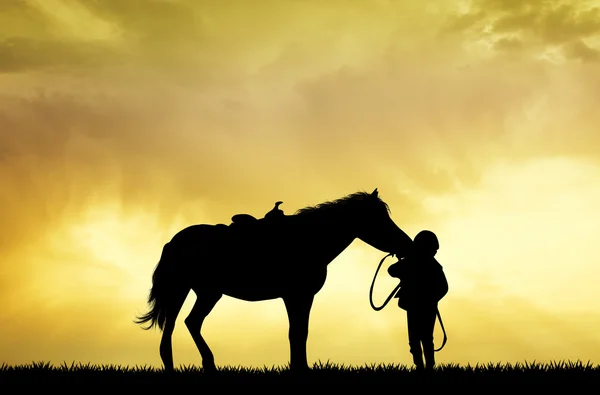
{"points": [[439, 316], [373, 286]]}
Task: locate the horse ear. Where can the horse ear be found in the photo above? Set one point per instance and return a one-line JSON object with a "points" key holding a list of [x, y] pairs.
{"points": [[374, 193]]}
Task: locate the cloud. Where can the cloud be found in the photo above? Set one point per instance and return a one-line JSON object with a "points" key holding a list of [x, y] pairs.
{"points": [[21, 54], [163, 37], [580, 50], [56, 39], [414, 124], [19, 19], [408, 111], [404, 111], [538, 27], [509, 44]]}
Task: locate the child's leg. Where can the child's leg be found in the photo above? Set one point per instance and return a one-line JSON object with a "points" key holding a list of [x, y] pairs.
{"points": [[414, 338], [428, 317]]}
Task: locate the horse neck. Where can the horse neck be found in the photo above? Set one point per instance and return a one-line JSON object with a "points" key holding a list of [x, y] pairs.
{"points": [[334, 217], [333, 228]]}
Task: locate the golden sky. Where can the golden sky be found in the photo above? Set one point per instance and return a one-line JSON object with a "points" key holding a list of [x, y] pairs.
{"points": [[124, 121]]}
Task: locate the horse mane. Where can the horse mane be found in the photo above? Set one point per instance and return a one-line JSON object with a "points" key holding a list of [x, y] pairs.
{"points": [[348, 199]]}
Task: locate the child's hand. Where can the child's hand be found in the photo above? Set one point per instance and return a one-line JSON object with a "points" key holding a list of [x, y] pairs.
{"points": [[395, 269]]}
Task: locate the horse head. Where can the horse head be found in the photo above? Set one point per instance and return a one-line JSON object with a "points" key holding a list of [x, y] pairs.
{"points": [[375, 227]]}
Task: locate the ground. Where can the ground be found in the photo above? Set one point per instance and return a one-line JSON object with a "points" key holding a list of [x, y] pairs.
{"points": [[323, 378]]}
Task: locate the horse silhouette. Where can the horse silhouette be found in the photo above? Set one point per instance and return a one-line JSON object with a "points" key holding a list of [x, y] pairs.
{"points": [[261, 259]]}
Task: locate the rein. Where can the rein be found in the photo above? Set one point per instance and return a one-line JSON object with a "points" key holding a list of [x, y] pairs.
{"points": [[439, 316]]}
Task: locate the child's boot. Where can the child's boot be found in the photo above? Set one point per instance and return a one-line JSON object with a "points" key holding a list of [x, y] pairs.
{"points": [[418, 360], [429, 356], [417, 353]]}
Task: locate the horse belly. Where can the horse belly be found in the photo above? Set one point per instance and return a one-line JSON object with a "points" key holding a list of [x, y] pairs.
{"points": [[266, 286], [251, 285], [253, 295]]}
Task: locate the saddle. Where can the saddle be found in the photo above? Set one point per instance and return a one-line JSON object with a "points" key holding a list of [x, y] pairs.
{"points": [[247, 219]]}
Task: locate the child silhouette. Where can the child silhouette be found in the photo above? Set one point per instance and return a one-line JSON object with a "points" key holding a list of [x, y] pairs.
{"points": [[423, 285]]}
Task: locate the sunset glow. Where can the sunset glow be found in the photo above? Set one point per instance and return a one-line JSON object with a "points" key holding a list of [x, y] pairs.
{"points": [[123, 122]]}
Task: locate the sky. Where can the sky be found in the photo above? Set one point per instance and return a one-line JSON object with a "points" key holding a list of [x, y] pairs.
{"points": [[123, 122]]}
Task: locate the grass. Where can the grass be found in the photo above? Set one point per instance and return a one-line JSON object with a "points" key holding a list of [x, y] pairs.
{"points": [[324, 377]]}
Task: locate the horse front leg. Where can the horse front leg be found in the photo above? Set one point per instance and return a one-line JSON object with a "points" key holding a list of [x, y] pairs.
{"points": [[298, 310]]}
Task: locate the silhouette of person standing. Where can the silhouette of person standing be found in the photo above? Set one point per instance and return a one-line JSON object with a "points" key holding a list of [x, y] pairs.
{"points": [[423, 285]]}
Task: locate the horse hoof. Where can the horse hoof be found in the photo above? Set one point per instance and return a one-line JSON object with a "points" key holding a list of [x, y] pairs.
{"points": [[209, 367]]}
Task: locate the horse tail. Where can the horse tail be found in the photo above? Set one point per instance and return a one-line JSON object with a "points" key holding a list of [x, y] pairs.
{"points": [[162, 284]]}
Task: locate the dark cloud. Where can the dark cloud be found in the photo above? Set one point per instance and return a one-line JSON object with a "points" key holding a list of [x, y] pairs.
{"points": [[537, 27], [170, 36], [508, 44], [580, 50], [21, 54], [565, 23], [18, 18], [167, 39], [463, 22]]}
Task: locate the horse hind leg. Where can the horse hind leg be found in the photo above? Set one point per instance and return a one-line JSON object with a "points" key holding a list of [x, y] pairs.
{"points": [[205, 301], [166, 343]]}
